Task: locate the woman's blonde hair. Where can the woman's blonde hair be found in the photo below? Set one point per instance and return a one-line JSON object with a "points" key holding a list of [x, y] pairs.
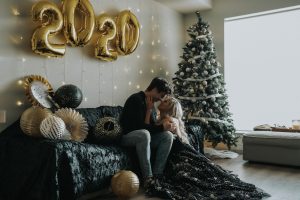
{"points": [[176, 111]]}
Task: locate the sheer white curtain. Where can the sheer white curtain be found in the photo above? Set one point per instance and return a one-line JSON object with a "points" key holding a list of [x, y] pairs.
{"points": [[262, 67]]}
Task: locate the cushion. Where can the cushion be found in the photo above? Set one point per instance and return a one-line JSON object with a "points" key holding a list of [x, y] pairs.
{"points": [[284, 139], [93, 115], [107, 129]]}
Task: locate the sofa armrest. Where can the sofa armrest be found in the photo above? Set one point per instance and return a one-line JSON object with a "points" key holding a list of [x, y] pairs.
{"points": [[195, 136]]}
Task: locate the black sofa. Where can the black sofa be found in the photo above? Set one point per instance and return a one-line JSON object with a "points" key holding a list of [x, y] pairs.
{"points": [[37, 168]]}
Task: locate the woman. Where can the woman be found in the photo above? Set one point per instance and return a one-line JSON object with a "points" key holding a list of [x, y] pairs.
{"points": [[189, 175], [170, 110]]}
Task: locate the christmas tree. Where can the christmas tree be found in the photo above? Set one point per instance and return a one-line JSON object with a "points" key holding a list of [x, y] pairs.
{"points": [[199, 86]]}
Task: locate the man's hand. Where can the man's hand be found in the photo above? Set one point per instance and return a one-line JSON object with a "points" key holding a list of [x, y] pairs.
{"points": [[149, 107], [149, 103]]}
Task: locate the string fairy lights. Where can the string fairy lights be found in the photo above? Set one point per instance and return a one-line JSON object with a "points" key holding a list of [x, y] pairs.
{"points": [[99, 84]]}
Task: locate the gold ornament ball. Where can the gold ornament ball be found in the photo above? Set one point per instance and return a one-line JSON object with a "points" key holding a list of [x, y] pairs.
{"points": [[125, 184], [31, 119]]}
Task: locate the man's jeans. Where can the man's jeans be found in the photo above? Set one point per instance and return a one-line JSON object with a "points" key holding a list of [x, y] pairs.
{"points": [[143, 141]]}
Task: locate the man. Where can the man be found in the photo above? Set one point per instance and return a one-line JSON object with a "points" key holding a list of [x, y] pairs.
{"points": [[141, 132]]}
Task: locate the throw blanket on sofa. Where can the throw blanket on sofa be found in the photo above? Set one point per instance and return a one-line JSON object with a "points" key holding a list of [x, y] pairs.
{"points": [[35, 169], [189, 175]]}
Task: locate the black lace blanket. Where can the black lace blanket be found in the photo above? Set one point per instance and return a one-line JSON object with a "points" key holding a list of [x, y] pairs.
{"points": [[191, 176], [43, 169]]}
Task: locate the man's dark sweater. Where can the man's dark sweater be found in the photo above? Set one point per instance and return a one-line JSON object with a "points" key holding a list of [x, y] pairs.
{"points": [[133, 115]]}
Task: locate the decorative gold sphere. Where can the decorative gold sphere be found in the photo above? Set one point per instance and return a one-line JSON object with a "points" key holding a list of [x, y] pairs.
{"points": [[125, 184], [31, 120]]}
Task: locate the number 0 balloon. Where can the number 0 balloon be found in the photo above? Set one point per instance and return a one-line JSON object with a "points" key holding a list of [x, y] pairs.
{"points": [[87, 19], [128, 32]]}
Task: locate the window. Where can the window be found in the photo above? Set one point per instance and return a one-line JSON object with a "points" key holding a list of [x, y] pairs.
{"points": [[262, 67]]}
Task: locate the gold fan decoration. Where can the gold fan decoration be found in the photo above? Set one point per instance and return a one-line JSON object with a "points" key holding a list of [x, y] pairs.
{"points": [[75, 123], [31, 119], [38, 90]]}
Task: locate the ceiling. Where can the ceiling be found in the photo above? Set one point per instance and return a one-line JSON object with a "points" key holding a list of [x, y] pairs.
{"points": [[187, 6]]}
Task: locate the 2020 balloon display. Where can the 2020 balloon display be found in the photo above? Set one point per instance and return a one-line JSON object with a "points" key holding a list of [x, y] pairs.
{"points": [[118, 36]]}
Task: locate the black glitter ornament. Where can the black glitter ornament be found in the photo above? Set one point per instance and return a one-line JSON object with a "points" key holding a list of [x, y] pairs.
{"points": [[68, 96]]}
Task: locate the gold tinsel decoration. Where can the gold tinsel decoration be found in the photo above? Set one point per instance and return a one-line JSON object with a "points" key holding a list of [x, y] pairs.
{"points": [[107, 128], [31, 79], [125, 184], [75, 123], [31, 119]]}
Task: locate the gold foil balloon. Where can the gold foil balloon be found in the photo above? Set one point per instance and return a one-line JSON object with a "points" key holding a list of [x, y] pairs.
{"points": [[87, 21], [107, 28], [31, 119], [52, 23], [128, 32], [125, 184]]}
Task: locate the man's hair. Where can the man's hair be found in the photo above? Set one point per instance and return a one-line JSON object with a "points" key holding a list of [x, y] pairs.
{"points": [[161, 84]]}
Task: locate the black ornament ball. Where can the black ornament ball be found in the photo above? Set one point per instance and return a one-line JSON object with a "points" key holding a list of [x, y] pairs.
{"points": [[68, 96]]}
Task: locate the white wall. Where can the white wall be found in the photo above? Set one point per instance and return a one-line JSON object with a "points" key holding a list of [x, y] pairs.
{"points": [[222, 9], [102, 83]]}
